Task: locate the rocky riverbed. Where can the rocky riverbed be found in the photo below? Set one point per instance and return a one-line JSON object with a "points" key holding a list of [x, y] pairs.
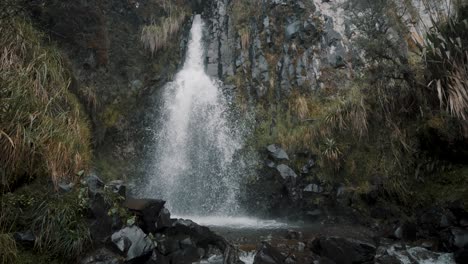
{"points": [[148, 234]]}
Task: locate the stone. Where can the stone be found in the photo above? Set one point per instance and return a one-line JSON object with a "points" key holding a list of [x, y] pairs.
{"points": [[286, 172], [313, 188], [101, 224], [168, 245], [461, 256], [292, 29], [344, 250], [158, 258], [26, 239], [152, 217], [66, 187], [102, 256], [293, 234], [94, 183], [406, 231], [460, 237], [300, 247], [132, 242], [277, 153], [267, 254], [306, 168], [118, 187]]}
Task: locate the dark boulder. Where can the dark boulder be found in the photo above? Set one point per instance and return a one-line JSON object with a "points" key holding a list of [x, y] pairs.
{"points": [[158, 258], [95, 184], [407, 232], [133, 243], [152, 216], [201, 239], [267, 254], [461, 256], [26, 239], [344, 250], [101, 224]]}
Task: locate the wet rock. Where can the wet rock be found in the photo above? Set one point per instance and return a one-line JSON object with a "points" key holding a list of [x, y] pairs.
{"points": [[313, 188], [168, 245], [102, 256], [407, 232], [344, 250], [94, 183], [267, 254], [202, 238], [460, 237], [293, 234], [435, 219], [151, 214], [306, 168], [270, 164], [26, 239], [277, 152], [118, 187], [398, 254], [300, 247], [186, 256], [461, 256], [286, 172], [101, 224], [158, 258], [133, 243], [66, 187]]}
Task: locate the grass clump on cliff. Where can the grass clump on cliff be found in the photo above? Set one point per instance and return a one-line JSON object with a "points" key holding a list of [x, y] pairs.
{"points": [[42, 128], [159, 34]]}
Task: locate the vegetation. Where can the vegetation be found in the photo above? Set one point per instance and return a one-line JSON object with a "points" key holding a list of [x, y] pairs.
{"points": [[42, 128], [158, 34], [381, 124]]}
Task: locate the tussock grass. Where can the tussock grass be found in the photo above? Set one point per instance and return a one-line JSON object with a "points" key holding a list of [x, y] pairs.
{"points": [[157, 36], [8, 250], [446, 55], [42, 129]]}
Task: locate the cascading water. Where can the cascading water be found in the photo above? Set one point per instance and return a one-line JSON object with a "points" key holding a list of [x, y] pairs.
{"points": [[196, 168]]}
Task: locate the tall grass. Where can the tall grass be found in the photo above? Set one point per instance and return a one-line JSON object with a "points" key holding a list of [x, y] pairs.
{"points": [[446, 55], [158, 35], [42, 129]]}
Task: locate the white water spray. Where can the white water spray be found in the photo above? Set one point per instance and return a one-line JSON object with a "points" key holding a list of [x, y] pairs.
{"points": [[197, 168]]}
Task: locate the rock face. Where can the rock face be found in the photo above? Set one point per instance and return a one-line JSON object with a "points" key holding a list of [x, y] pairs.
{"points": [[344, 250], [302, 35]]}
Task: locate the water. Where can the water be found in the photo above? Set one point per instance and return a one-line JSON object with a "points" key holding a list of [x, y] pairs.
{"points": [[197, 166]]}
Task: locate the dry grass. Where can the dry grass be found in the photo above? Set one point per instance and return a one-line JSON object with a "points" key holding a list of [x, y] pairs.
{"points": [[447, 59], [244, 34], [158, 35], [41, 123]]}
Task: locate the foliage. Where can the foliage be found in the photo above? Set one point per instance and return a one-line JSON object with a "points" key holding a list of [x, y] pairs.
{"points": [[57, 220], [42, 128], [446, 55], [8, 250], [158, 35]]}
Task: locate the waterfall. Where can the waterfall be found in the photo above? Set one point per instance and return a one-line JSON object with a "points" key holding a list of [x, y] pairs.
{"points": [[196, 167]]}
